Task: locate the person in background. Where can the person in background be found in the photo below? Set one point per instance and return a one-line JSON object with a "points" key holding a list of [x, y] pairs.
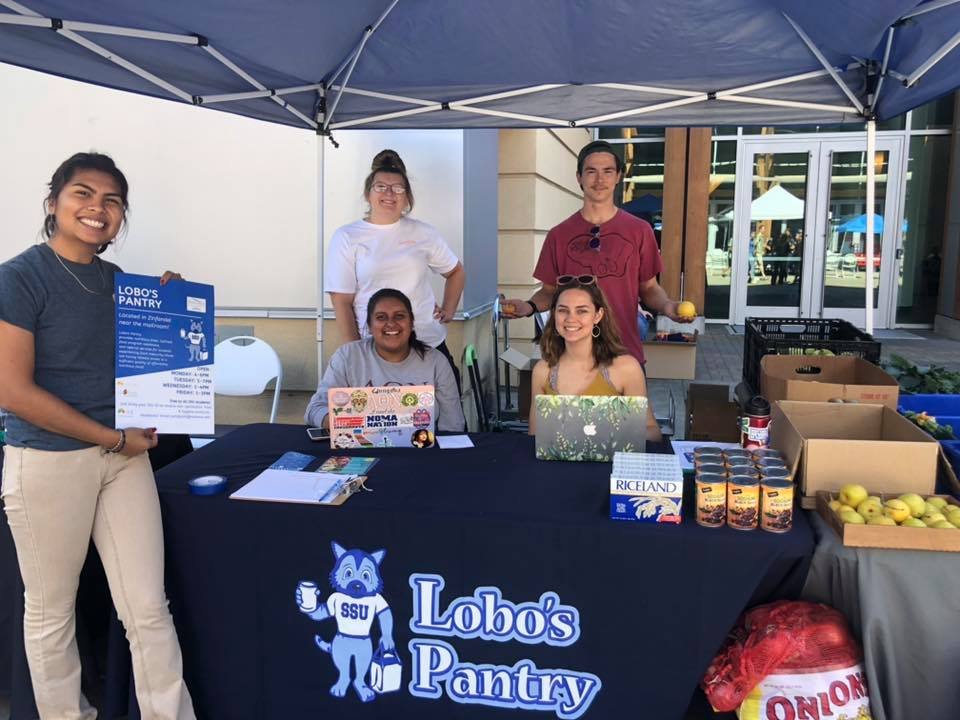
{"points": [[606, 242], [781, 257], [68, 473], [390, 249], [390, 354], [581, 350], [759, 250]]}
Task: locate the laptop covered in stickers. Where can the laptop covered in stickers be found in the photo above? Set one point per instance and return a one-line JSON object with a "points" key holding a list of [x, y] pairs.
{"points": [[589, 428], [390, 416]]}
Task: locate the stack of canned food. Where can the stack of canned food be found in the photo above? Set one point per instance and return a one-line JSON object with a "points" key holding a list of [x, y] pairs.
{"points": [[743, 488]]}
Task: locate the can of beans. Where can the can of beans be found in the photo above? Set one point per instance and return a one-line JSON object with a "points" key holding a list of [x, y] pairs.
{"points": [[711, 500], [776, 505], [770, 463], [711, 468], [739, 462], [764, 453], [706, 450], [743, 502], [775, 473], [737, 453]]}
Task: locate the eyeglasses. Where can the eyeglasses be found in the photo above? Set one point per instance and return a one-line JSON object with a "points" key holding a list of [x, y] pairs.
{"points": [[594, 243], [381, 188], [576, 279]]}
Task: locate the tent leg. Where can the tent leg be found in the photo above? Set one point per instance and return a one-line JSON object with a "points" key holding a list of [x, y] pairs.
{"points": [[320, 149], [871, 191]]}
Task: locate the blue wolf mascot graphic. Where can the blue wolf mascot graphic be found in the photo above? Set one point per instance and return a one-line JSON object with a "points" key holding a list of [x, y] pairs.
{"points": [[355, 603]]}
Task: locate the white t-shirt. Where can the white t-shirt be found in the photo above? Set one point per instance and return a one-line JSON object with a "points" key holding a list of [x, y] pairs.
{"points": [[363, 258], [354, 616]]}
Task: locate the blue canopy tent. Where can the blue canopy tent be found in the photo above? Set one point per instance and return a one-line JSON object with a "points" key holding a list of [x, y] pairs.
{"points": [[859, 224], [326, 65]]}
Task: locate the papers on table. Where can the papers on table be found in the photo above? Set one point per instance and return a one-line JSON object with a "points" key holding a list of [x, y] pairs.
{"points": [[683, 449], [454, 442], [294, 486]]}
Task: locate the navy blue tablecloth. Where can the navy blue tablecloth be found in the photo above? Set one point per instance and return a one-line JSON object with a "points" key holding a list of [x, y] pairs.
{"points": [[654, 602]]}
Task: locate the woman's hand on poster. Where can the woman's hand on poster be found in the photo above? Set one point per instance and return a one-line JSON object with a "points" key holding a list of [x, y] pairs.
{"points": [[169, 275]]}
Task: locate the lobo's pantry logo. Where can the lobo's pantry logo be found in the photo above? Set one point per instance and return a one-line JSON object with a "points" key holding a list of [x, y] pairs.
{"points": [[436, 669]]}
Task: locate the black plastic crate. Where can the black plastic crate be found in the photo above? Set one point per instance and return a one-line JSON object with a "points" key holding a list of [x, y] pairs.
{"points": [[792, 336]]}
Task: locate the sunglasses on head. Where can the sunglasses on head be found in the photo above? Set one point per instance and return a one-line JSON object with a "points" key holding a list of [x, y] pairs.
{"points": [[594, 243], [576, 280]]}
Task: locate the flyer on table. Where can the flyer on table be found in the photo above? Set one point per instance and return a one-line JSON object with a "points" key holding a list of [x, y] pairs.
{"points": [[164, 361]]}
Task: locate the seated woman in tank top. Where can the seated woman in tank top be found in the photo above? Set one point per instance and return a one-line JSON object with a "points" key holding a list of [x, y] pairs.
{"points": [[581, 350]]}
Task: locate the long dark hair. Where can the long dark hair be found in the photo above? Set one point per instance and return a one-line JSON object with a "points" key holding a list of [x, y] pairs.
{"points": [[388, 161], [64, 174], [605, 348], [391, 294]]}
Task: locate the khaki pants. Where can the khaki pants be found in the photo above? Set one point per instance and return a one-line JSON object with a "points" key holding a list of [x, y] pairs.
{"points": [[55, 501]]}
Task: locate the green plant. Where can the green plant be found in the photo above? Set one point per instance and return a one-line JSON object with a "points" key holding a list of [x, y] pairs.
{"points": [[925, 379]]}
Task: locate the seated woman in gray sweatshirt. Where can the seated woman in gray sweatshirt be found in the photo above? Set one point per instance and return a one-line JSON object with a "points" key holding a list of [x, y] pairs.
{"points": [[391, 355]]}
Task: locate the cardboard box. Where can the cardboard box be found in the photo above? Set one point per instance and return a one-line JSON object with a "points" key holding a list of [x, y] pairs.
{"points": [[832, 444], [671, 360], [522, 361], [711, 416], [885, 536], [820, 379], [646, 487]]}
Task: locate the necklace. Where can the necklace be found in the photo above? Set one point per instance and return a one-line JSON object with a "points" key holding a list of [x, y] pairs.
{"points": [[103, 283]]}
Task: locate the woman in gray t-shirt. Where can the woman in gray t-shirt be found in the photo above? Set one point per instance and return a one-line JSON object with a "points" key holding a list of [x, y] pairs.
{"points": [[392, 355], [68, 474]]}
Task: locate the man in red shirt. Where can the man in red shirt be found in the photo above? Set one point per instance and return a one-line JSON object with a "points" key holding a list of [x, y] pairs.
{"points": [[602, 240]]}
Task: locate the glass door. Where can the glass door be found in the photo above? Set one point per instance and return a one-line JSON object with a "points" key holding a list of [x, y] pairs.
{"points": [[840, 260], [774, 210], [799, 226]]}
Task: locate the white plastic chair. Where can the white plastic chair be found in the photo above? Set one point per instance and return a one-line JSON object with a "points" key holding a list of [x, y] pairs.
{"points": [[244, 365]]}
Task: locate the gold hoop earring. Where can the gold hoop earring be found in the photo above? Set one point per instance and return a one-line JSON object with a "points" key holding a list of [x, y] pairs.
{"points": [[596, 330]]}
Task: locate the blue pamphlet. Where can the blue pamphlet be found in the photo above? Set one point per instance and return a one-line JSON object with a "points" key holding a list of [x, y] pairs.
{"points": [[164, 354]]}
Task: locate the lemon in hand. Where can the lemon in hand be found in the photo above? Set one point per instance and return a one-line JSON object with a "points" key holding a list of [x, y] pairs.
{"points": [[687, 311]]}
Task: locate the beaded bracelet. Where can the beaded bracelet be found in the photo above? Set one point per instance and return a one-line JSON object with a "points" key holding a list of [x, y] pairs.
{"points": [[533, 308], [120, 443]]}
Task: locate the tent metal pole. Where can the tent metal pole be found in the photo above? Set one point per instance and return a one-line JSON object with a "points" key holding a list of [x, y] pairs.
{"points": [[48, 24], [702, 97], [510, 94], [929, 7], [883, 67], [789, 104], [826, 65], [240, 72], [106, 54], [256, 94], [367, 32], [321, 141], [944, 50], [647, 89], [871, 191], [383, 96], [509, 115], [386, 116]]}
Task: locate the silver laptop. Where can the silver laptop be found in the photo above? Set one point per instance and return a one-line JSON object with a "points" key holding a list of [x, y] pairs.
{"points": [[589, 428]]}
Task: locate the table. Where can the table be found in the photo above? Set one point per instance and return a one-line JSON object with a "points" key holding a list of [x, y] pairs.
{"points": [[904, 605], [654, 603]]}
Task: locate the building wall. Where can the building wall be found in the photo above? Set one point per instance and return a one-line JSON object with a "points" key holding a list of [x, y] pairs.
{"points": [[948, 318]]}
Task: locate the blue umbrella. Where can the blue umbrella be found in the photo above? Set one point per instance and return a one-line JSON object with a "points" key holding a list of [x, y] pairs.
{"points": [[859, 224]]}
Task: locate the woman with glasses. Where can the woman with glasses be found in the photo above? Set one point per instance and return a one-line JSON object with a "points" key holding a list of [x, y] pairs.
{"points": [[390, 249], [582, 351]]}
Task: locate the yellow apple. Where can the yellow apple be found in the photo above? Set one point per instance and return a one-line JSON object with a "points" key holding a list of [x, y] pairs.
{"points": [[869, 509], [938, 501], [931, 518], [898, 510], [881, 520], [845, 508], [835, 505], [852, 495], [944, 525], [953, 515], [687, 310], [913, 522], [875, 498], [852, 517], [929, 507], [916, 503]]}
